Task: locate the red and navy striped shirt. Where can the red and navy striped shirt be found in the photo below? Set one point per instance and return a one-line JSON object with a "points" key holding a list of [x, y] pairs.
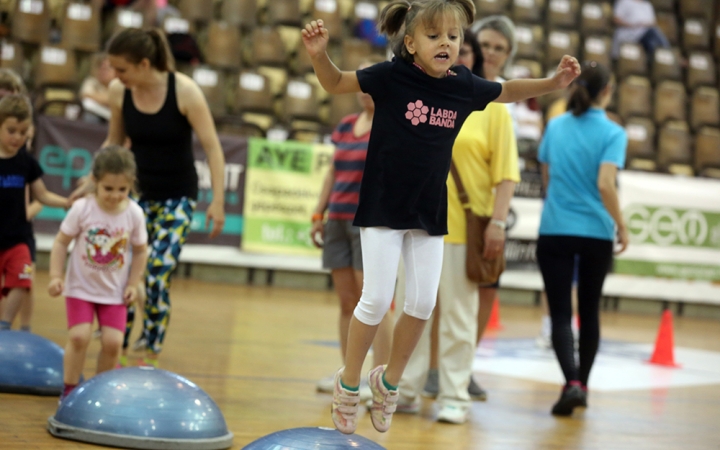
{"points": [[349, 162]]}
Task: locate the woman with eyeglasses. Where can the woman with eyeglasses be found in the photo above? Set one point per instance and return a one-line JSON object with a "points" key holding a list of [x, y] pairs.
{"points": [[581, 153]]}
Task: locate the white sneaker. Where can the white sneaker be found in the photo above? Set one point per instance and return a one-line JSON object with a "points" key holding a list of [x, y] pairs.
{"points": [[452, 414], [406, 405], [326, 384]]}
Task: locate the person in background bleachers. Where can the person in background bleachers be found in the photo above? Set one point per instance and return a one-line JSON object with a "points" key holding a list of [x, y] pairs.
{"points": [[338, 238], [581, 153], [635, 20], [94, 91]]}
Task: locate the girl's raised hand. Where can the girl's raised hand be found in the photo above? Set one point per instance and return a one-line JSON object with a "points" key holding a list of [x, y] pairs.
{"points": [[315, 37], [56, 287], [567, 71]]}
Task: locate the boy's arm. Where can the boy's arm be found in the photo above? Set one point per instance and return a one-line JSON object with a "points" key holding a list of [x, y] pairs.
{"points": [[521, 89], [33, 208], [315, 37], [41, 194]]}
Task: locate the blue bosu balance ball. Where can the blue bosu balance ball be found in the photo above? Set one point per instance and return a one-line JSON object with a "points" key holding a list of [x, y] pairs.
{"points": [[312, 439], [30, 364], [143, 408]]}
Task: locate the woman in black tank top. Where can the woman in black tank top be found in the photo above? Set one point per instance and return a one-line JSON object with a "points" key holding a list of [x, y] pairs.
{"points": [[158, 109]]}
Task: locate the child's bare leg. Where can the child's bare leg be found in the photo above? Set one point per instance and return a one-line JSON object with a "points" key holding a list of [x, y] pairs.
{"points": [[360, 337], [26, 311], [383, 340], [407, 334], [12, 304], [75, 349], [111, 341]]}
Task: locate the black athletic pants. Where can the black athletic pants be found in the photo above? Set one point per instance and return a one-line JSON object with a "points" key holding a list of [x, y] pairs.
{"points": [[556, 258]]}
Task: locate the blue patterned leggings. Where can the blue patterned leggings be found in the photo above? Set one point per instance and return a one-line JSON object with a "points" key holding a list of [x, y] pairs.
{"points": [[168, 224]]}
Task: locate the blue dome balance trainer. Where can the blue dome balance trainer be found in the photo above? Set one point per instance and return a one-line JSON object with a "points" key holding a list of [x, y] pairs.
{"points": [[312, 439], [30, 364], [142, 408]]}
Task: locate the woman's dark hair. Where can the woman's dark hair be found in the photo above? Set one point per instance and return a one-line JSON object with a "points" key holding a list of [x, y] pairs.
{"points": [[400, 18], [477, 67], [593, 79], [135, 45]]}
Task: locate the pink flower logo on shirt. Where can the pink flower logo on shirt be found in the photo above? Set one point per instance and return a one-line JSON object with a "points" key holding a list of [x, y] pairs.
{"points": [[417, 112]]}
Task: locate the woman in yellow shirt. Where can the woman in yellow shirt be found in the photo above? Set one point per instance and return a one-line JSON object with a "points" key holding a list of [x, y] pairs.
{"points": [[485, 155]]}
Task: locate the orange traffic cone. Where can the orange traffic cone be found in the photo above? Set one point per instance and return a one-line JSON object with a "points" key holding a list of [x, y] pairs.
{"points": [[664, 344], [494, 320]]}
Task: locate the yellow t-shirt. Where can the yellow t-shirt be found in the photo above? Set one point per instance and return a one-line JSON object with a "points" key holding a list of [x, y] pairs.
{"points": [[485, 154]]}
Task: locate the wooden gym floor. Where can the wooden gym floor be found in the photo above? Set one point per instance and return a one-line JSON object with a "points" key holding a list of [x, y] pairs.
{"points": [[255, 351]]}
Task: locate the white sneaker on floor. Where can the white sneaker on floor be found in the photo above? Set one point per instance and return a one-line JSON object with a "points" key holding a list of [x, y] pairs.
{"points": [[543, 341], [326, 384], [452, 414]]}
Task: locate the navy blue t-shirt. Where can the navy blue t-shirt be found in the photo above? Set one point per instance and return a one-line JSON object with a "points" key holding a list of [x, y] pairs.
{"points": [[416, 120], [15, 173]]}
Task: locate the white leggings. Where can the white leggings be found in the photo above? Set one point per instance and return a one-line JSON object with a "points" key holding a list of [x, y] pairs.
{"points": [[381, 249]]}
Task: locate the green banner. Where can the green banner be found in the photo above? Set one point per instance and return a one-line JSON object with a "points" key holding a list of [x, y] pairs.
{"points": [[282, 187], [668, 269], [669, 226]]}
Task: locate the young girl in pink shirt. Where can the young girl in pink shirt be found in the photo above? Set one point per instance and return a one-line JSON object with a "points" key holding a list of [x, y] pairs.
{"points": [[103, 274]]}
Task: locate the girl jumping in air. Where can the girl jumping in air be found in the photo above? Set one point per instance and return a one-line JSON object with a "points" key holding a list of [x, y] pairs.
{"points": [[103, 273], [421, 101]]}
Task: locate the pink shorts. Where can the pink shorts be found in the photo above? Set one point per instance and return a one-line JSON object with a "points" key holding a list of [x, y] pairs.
{"points": [[81, 311]]}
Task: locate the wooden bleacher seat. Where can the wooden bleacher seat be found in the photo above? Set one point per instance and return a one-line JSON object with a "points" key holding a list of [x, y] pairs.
{"points": [[253, 93], [329, 12], [239, 13], [641, 144], [268, 47], [300, 101], [666, 65], [634, 97], [528, 11], [527, 66], [212, 84], [597, 48], [674, 148], [561, 43], [341, 106], [705, 108], [81, 27], [668, 24], [701, 70], [596, 18], [196, 10], [529, 40], [563, 14], [11, 57], [632, 60], [488, 7], [353, 53], [56, 66], [223, 44], [663, 5], [707, 152], [696, 8], [284, 12], [31, 21], [670, 102], [696, 35]]}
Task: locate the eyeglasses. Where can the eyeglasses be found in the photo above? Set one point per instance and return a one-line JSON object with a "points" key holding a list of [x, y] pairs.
{"points": [[497, 48]]}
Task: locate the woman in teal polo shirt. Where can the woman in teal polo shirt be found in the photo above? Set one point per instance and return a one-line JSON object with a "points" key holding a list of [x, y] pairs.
{"points": [[581, 153]]}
